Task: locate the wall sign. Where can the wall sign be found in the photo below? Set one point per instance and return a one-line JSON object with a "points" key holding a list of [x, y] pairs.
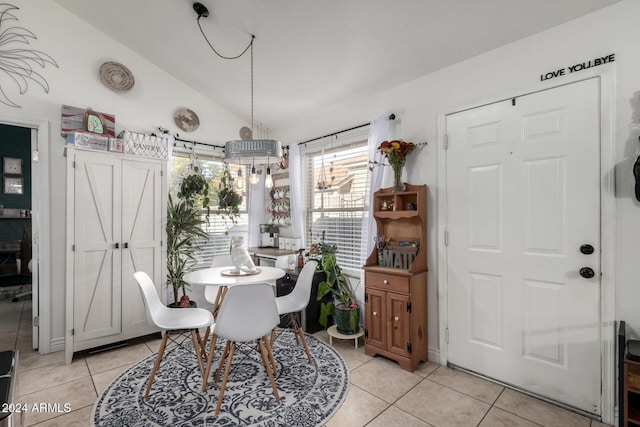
{"points": [[581, 66]]}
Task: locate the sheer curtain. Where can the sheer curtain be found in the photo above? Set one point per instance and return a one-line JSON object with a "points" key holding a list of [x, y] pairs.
{"points": [[296, 202], [382, 128], [257, 210]]}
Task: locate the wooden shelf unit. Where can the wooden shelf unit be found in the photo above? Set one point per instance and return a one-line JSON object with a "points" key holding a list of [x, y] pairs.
{"points": [[396, 298], [631, 393]]}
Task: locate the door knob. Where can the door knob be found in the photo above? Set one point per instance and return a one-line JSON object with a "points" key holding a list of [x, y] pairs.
{"points": [[587, 272], [586, 249]]}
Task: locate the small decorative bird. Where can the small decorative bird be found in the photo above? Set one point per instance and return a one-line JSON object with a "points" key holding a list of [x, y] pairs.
{"points": [[240, 257]]}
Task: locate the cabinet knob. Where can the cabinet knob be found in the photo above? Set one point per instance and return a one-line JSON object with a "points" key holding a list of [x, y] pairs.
{"points": [[375, 313], [396, 318], [385, 281]]}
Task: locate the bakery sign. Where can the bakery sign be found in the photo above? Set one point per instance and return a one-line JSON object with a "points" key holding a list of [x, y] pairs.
{"points": [[580, 66]]}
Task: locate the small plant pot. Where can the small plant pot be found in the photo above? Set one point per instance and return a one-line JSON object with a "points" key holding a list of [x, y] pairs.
{"points": [[347, 319], [192, 304]]}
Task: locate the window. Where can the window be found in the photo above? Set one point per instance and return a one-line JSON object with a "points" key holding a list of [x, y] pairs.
{"points": [[336, 180], [219, 230]]}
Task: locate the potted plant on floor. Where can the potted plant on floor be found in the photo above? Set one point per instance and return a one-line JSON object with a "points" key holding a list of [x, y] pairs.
{"points": [[343, 305], [184, 229]]}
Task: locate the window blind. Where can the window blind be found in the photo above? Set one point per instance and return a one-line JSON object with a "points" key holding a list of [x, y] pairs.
{"points": [[335, 182]]}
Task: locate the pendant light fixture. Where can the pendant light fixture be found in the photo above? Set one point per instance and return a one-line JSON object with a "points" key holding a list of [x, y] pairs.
{"points": [[246, 149], [253, 178], [240, 180], [268, 180]]}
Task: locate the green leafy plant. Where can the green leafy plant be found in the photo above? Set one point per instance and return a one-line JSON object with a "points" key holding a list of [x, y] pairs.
{"points": [[229, 199], [184, 229], [336, 284], [194, 188]]}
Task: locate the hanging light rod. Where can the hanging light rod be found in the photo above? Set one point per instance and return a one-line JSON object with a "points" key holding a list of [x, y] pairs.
{"points": [[391, 117], [176, 139], [247, 149]]}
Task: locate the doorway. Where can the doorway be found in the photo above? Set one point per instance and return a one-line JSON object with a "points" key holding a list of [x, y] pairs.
{"points": [[18, 254], [523, 220]]}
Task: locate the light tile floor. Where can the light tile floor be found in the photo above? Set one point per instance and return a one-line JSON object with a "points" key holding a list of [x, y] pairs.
{"points": [[380, 395]]}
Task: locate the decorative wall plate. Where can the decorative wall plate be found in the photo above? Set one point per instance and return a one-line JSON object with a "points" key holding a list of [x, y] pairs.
{"points": [[116, 76], [186, 120], [245, 133]]}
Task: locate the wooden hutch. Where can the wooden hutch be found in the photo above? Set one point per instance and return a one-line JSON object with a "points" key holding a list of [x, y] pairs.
{"points": [[396, 281]]}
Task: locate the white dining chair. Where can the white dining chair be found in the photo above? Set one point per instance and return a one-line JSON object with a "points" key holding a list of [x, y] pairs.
{"points": [[172, 320], [297, 301], [248, 313]]}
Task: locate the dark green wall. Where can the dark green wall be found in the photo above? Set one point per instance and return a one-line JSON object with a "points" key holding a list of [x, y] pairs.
{"points": [[16, 142]]}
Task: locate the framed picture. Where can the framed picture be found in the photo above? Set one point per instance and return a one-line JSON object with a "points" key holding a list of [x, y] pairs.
{"points": [[12, 166], [13, 185]]}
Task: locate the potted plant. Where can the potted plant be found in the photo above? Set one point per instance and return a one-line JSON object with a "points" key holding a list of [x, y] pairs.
{"points": [[184, 229], [228, 198], [194, 187], [343, 306]]}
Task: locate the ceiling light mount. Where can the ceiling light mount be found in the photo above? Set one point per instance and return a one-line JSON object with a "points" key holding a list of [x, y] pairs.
{"points": [[201, 10]]}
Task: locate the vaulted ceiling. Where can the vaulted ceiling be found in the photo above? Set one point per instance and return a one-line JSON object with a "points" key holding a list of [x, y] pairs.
{"points": [[310, 56]]}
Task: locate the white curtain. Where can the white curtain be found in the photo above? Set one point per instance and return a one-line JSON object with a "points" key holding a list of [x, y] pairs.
{"points": [[296, 202], [257, 210], [381, 129]]}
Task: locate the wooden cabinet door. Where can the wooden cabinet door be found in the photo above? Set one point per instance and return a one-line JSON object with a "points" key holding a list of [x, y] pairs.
{"points": [[142, 233], [97, 274], [375, 317], [398, 322]]}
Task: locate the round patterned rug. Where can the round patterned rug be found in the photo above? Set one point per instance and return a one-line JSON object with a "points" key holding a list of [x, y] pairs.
{"points": [[309, 393]]}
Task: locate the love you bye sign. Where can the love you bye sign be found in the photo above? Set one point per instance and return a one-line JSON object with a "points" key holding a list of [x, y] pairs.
{"points": [[584, 65]]}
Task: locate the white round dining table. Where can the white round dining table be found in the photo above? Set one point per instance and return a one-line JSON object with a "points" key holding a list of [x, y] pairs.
{"points": [[215, 276]]}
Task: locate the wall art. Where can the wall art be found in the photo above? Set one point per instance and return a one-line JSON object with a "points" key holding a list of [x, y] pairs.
{"points": [[17, 62]]}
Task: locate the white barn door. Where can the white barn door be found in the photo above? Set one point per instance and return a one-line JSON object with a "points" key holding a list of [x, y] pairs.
{"points": [[523, 263]]}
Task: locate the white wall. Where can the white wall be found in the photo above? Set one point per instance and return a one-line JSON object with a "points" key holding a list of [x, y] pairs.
{"points": [[79, 51], [512, 70]]}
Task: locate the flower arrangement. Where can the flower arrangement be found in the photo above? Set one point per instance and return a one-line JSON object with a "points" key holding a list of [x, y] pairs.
{"points": [[381, 241], [396, 152]]}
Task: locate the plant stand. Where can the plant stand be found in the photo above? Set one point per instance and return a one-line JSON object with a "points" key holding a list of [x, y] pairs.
{"points": [[333, 333]]}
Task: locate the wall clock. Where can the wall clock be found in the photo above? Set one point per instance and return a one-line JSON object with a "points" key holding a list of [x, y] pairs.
{"points": [[12, 166]]}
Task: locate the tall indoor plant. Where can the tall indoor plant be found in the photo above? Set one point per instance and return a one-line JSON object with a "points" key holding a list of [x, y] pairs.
{"points": [[184, 229], [343, 306]]}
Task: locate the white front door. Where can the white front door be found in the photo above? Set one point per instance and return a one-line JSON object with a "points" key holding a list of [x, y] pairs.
{"points": [[523, 203]]}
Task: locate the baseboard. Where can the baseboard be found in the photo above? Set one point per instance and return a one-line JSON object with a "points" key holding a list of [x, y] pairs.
{"points": [[434, 355], [56, 344]]}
